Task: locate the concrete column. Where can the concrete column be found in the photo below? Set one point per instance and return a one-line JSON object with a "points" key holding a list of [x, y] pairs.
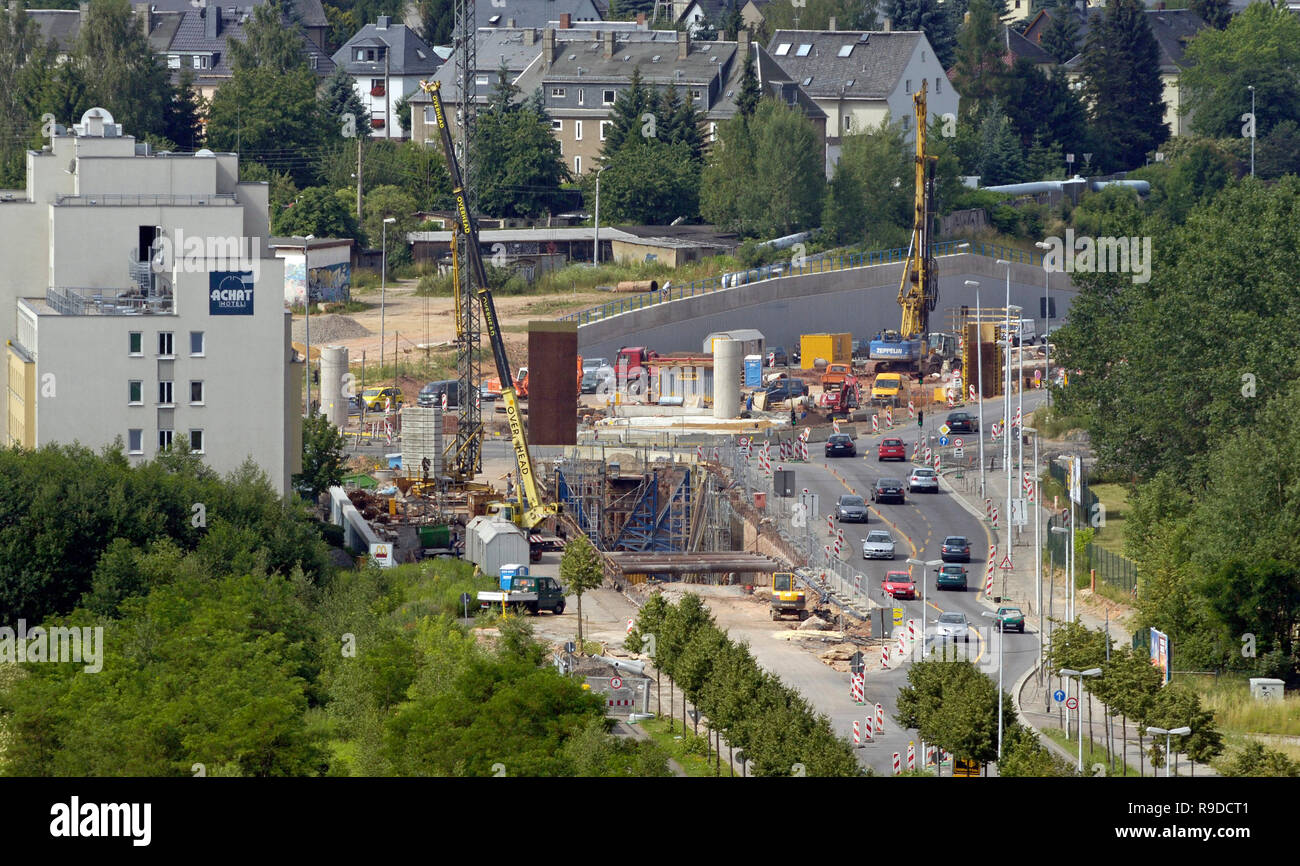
{"points": [[333, 367], [728, 368]]}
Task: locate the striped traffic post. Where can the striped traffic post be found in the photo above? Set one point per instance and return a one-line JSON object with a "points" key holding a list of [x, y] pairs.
{"points": [[897, 765], [884, 656], [911, 629], [911, 410], [995, 517], [971, 391], [857, 735], [911, 755], [936, 463], [869, 720], [835, 425], [875, 423], [880, 718], [988, 510], [830, 525], [889, 416]]}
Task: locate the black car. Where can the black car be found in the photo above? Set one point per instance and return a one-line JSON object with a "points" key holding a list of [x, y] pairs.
{"points": [[963, 422], [776, 357], [785, 389], [431, 394], [956, 548], [851, 509], [888, 490], [841, 445]]}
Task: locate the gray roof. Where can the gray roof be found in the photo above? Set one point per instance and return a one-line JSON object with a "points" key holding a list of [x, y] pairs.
{"points": [[704, 62], [1172, 28], [777, 83], [310, 12], [525, 235], [1019, 46], [165, 25], [408, 53], [494, 47], [61, 25], [870, 71], [191, 38], [534, 13]]}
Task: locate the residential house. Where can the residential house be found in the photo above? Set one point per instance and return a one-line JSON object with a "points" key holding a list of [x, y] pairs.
{"points": [[861, 77], [60, 25], [308, 14], [387, 61], [536, 13], [751, 12]]}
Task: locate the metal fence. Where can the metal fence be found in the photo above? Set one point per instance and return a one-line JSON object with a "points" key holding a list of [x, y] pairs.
{"points": [[817, 264], [1112, 569]]}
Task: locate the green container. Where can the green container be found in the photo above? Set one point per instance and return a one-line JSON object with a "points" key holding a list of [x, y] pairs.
{"points": [[435, 536]]}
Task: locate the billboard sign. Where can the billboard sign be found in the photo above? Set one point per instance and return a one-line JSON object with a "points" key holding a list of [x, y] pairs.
{"points": [[1160, 653], [230, 293]]}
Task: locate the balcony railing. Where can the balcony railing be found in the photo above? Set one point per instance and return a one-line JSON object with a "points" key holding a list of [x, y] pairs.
{"points": [[215, 199], [107, 302]]}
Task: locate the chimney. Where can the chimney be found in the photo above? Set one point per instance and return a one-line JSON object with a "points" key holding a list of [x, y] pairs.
{"points": [[831, 26], [211, 22], [566, 21], [640, 20], [510, 22], [530, 36], [382, 22], [742, 44], [889, 25], [548, 46], [683, 44], [609, 44]]}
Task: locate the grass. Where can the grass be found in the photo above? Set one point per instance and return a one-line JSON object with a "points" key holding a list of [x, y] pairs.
{"points": [[1114, 498], [1236, 712], [1093, 752], [687, 749], [1050, 424]]}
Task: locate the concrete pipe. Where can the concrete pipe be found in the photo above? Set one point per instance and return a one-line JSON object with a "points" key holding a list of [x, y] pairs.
{"points": [[637, 286], [728, 371], [333, 400]]}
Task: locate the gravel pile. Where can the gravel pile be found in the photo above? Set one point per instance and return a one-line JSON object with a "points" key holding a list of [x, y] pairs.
{"points": [[329, 328]]}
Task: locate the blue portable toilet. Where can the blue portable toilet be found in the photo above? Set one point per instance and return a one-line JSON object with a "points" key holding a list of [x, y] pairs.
{"points": [[753, 371], [510, 572]]}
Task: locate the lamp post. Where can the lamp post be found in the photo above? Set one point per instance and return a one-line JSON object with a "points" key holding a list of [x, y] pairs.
{"points": [[1038, 548], [1251, 88], [1063, 530], [383, 287], [1181, 732], [306, 311], [926, 565], [1006, 403], [1001, 641], [979, 374], [595, 244], [1047, 328], [1090, 672]]}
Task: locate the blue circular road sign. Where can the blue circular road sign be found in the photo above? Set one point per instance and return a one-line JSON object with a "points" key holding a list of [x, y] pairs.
{"points": [[1058, 696], [943, 440]]}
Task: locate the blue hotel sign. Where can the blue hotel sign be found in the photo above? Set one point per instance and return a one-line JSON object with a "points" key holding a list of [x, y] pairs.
{"points": [[230, 293]]}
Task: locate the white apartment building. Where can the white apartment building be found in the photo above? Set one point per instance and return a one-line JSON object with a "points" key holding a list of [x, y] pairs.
{"points": [[141, 300]]}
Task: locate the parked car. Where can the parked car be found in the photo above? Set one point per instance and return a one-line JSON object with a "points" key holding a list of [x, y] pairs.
{"points": [[891, 449], [590, 380], [888, 489], [841, 445], [1010, 617], [377, 399], [963, 422], [956, 548], [777, 357], [923, 480], [898, 584], [951, 577], [851, 509], [878, 545], [952, 625], [594, 363], [785, 389], [431, 394]]}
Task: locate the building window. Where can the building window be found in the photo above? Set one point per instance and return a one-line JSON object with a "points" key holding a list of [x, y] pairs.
{"points": [[582, 95], [695, 94], [783, 49], [607, 97], [907, 86], [557, 125], [803, 50], [165, 392], [135, 441], [135, 392], [577, 130], [557, 92], [173, 61], [713, 132], [845, 50], [577, 165], [907, 123], [604, 125], [196, 392], [430, 116], [135, 343], [938, 86], [165, 344], [196, 441], [848, 123], [164, 440], [196, 344], [481, 81], [200, 61]]}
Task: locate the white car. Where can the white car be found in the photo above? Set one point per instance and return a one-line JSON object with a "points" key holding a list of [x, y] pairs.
{"points": [[923, 480], [878, 545], [952, 626]]}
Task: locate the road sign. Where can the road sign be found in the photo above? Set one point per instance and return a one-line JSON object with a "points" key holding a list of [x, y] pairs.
{"points": [[1019, 512], [958, 442], [616, 682], [1058, 696], [944, 429], [856, 663], [570, 647], [811, 502], [1006, 562], [898, 616], [959, 453], [943, 440], [1072, 704]]}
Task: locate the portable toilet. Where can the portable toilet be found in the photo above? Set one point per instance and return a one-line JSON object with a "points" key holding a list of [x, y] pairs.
{"points": [[753, 371], [510, 572]]}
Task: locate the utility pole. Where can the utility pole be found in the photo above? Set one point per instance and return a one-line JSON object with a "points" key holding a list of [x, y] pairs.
{"points": [[358, 178]]}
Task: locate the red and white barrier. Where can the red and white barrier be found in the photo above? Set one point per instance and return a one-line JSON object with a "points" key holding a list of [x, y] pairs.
{"points": [[889, 416], [857, 735], [911, 756], [884, 656], [699, 453], [995, 517], [971, 391], [988, 575], [869, 720], [631, 625], [880, 718], [911, 409], [715, 454], [830, 524], [936, 462], [875, 423], [911, 629], [835, 425], [620, 702], [857, 689], [929, 756], [928, 454], [988, 511], [897, 765]]}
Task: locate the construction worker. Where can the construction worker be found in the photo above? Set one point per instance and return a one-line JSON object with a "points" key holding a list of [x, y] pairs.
{"points": [[510, 484]]}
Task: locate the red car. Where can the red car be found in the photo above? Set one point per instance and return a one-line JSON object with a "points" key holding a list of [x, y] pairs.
{"points": [[899, 584], [891, 449]]}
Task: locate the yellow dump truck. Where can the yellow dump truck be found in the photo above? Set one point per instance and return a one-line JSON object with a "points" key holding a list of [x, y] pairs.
{"points": [[832, 348]]}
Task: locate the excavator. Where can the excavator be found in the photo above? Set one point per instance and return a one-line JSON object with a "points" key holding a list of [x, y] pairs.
{"points": [[787, 597], [530, 511]]}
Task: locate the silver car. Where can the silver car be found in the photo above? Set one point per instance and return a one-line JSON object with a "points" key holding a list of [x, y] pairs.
{"points": [[923, 480], [878, 545], [952, 626]]}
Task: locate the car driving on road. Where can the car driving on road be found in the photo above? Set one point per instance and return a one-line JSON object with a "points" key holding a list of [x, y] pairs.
{"points": [[891, 449], [888, 490], [956, 548], [898, 584], [952, 625], [841, 445], [878, 545], [963, 422], [851, 509], [923, 480], [1010, 618], [951, 577]]}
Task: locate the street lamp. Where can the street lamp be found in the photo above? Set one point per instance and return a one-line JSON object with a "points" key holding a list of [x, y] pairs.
{"points": [[306, 310], [1090, 672], [595, 246], [383, 290], [979, 365], [1002, 635], [1006, 403], [1047, 328], [1181, 732], [1038, 547], [1251, 88], [926, 565], [1068, 531]]}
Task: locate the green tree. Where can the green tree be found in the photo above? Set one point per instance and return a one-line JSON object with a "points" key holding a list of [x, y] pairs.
{"points": [[1045, 107], [316, 211], [339, 97], [649, 183], [628, 117], [437, 19], [938, 20], [120, 69], [519, 165], [581, 570], [1121, 73], [1216, 13], [1131, 684], [999, 158], [816, 15], [269, 117], [391, 202], [750, 92], [1254, 759], [1175, 707], [878, 162], [323, 457], [980, 66], [954, 706], [594, 753], [1278, 153], [1259, 48], [268, 43], [1061, 38], [1024, 756], [844, 216]]}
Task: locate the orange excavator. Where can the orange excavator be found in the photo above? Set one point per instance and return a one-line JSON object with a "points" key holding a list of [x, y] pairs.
{"points": [[521, 382]]}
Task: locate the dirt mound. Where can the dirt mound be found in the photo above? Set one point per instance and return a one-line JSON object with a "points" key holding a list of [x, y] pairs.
{"points": [[329, 328]]}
